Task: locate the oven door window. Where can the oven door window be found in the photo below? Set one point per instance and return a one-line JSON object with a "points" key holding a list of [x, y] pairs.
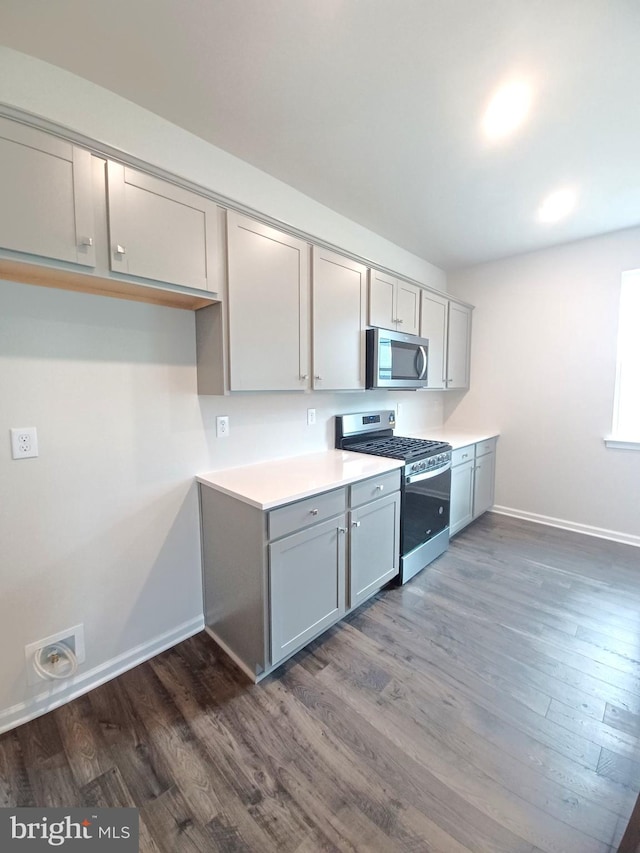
{"points": [[425, 510]]}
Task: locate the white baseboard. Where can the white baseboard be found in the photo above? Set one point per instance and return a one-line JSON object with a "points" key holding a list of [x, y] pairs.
{"points": [[82, 683], [587, 529]]}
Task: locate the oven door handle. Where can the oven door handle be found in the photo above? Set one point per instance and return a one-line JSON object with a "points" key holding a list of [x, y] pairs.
{"points": [[427, 475]]}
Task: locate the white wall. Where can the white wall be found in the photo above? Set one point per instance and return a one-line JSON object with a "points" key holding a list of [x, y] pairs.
{"points": [[102, 528], [543, 372]]}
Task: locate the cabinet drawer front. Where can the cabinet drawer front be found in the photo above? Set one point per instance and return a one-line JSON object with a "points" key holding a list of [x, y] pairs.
{"points": [[301, 514], [462, 454], [483, 447], [374, 487]]}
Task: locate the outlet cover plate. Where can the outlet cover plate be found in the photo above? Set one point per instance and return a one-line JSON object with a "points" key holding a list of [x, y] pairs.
{"points": [[24, 442]]}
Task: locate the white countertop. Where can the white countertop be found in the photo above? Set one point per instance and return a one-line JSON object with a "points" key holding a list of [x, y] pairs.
{"points": [[456, 438], [268, 484]]}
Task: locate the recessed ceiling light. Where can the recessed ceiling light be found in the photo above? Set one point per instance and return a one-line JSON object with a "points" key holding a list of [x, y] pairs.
{"points": [[557, 205], [507, 109]]}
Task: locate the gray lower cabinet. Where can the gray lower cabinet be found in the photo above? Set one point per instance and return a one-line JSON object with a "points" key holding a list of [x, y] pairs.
{"points": [[485, 477], [461, 512], [307, 585], [275, 580], [374, 547], [472, 482]]}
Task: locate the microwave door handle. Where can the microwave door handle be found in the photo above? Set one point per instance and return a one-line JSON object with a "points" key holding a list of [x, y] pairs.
{"points": [[422, 373]]}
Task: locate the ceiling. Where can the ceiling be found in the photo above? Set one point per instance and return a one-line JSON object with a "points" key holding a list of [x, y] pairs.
{"points": [[374, 107]]}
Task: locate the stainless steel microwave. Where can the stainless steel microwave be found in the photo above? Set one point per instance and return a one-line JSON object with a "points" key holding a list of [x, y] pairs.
{"points": [[395, 360]]}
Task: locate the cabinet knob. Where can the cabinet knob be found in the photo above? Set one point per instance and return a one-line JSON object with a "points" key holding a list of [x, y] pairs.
{"points": [[465, 455], [313, 511], [399, 322], [380, 488], [86, 241], [355, 524], [342, 530], [318, 378], [304, 376], [120, 250]]}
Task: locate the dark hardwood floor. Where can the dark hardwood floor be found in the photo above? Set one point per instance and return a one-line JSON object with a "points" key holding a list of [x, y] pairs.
{"points": [[492, 704]]}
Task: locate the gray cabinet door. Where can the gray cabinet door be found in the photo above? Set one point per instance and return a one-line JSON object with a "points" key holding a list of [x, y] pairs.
{"points": [[461, 496], [307, 585], [268, 307], [458, 345], [339, 297], [160, 231], [483, 489], [46, 206], [382, 300], [407, 308], [433, 325], [374, 547]]}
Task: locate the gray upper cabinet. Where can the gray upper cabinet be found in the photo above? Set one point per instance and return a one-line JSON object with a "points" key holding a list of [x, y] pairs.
{"points": [[458, 346], [393, 303], [447, 325], [339, 299], [160, 231], [268, 305], [433, 325], [46, 208]]}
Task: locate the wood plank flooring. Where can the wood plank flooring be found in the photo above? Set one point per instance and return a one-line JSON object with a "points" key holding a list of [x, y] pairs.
{"points": [[492, 704]]}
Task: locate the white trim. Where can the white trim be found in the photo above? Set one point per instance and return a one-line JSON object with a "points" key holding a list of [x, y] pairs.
{"points": [[622, 444], [58, 695], [234, 657], [587, 529]]}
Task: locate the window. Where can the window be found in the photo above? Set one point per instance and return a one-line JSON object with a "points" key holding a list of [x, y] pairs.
{"points": [[626, 412]]}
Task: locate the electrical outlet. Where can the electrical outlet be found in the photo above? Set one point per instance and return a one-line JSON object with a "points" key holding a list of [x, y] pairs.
{"points": [[222, 426], [311, 417], [72, 637], [24, 442]]}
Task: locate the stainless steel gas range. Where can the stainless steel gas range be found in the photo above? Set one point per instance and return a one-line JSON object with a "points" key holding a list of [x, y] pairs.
{"points": [[426, 483]]}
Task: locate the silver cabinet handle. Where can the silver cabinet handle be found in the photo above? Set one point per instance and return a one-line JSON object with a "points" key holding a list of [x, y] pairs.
{"points": [[342, 530], [465, 455], [400, 322], [318, 377], [380, 488], [313, 511], [120, 250], [86, 241], [355, 524], [304, 376]]}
